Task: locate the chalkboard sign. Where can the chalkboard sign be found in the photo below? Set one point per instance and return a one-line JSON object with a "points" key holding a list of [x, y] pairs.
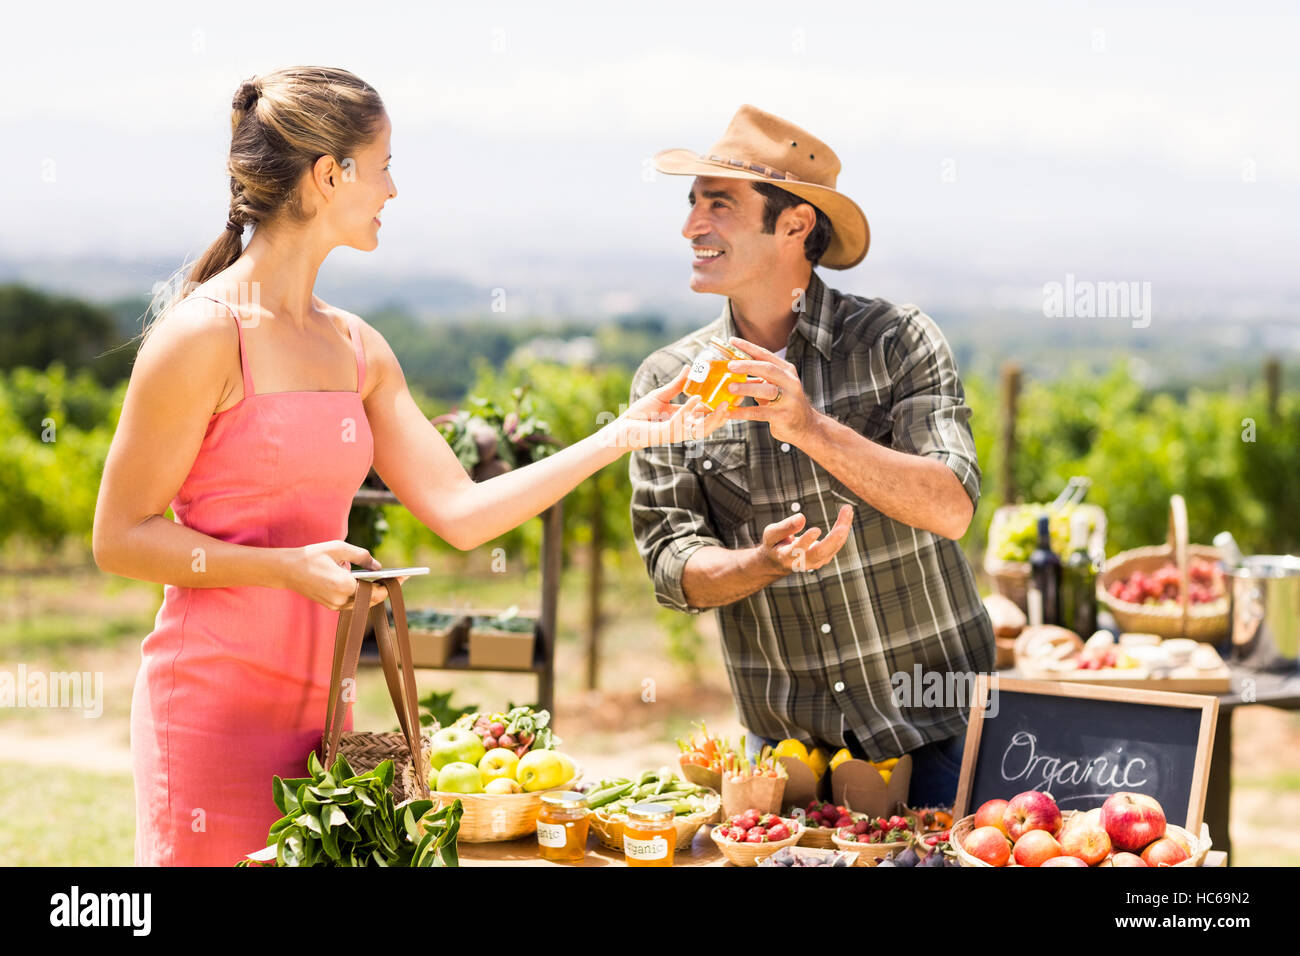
{"points": [[1082, 743]]}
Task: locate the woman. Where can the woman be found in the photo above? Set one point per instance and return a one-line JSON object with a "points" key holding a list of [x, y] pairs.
{"points": [[255, 410]]}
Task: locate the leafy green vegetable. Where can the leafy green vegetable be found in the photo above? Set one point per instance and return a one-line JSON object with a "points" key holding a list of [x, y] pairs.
{"points": [[338, 818]]}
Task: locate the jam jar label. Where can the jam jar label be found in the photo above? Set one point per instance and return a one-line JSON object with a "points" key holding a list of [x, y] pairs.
{"points": [[653, 849], [550, 834]]}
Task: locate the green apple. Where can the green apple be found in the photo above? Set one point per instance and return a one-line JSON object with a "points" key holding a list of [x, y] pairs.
{"points": [[460, 777], [455, 745]]}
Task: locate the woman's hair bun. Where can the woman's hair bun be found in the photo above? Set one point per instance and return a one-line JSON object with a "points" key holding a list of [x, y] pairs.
{"points": [[247, 95]]}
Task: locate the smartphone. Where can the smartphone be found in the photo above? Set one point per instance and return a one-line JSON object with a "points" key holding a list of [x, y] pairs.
{"points": [[382, 573]]}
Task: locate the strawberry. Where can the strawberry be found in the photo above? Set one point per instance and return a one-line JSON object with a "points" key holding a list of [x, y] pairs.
{"points": [[756, 835], [863, 838], [778, 832], [844, 821], [862, 826], [771, 820]]}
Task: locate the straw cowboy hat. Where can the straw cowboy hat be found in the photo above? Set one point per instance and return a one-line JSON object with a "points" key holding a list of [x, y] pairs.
{"points": [[766, 148]]}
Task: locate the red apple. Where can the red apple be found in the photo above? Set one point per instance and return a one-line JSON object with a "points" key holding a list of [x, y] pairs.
{"points": [[1084, 837], [990, 814], [1127, 859], [1164, 852], [1132, 820], [988, 844], [1064, 861], [1031, 810], [1036, 847]]}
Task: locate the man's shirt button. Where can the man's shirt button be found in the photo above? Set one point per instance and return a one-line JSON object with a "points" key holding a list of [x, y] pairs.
{"points": [[785, 446], [839, 686], [707, 465], [795, 506], [826, 628]]}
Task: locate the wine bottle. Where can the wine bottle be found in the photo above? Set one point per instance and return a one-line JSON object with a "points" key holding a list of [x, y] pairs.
{"points": [[1045, 577], [1079, 581]]}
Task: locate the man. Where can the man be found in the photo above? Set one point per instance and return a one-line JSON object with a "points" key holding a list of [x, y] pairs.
{"points": [[858, 426]]}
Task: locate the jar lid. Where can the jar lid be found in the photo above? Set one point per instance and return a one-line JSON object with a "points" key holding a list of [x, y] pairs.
{"points": [[565, 799], [650, 812], [727, 347]]}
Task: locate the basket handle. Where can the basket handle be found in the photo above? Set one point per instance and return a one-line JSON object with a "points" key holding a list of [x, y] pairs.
{"points": [[398, 671], [1178, 544]]}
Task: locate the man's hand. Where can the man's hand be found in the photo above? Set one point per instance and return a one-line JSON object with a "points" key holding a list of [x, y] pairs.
{"points": [[784, 548], [783, 403]]}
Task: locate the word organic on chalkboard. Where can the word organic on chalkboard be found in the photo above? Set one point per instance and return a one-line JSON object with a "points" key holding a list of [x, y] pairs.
{"points": [[1082, 743]]}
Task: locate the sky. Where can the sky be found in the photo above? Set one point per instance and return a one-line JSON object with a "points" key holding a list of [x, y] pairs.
{"points": [[992, 146]]}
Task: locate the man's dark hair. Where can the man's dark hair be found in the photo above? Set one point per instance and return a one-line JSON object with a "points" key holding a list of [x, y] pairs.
{"points": [[777, 201]]}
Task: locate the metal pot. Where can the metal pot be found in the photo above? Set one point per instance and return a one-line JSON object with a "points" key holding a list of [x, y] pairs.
{"points": [[1266, 610]]}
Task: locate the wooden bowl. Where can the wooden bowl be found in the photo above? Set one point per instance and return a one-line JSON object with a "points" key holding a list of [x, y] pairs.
{"points": [[748, 854]]}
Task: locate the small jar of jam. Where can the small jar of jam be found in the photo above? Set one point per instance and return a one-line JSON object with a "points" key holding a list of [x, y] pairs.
{"points": [[562, 826], [709, 377], [649, 835]]}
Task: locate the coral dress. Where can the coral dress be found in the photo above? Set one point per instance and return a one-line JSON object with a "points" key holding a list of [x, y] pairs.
{"points": [[233, 681]]}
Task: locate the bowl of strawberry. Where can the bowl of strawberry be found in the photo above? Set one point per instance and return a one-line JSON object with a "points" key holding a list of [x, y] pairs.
{"points": [[874, 839], [821, 820], [747, 836]]}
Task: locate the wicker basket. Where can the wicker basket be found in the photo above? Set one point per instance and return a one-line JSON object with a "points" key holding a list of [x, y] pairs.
{"points": [[869, 854], [1011, 578], [409, 748], [748, 854], [609, 827], [495, 817], [963, 827], [1208, 623]]}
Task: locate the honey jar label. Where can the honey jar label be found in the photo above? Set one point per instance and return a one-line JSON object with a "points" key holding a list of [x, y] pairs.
{"points": [[652, 849], [551, 834], [700, 367]]}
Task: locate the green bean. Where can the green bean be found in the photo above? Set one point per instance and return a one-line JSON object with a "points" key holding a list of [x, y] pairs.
{"points": [[602, 797]]}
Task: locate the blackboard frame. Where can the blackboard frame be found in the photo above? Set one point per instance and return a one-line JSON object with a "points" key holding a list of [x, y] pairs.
{"points": [[1207, 705]]}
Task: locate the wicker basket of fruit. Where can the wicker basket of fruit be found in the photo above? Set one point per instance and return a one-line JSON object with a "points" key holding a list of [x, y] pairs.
{"points": [[821, 821], [1127, 830], [749, 836], [1172, 590], [1013, 533], [873, 840], [610, 798], [498, 766]]}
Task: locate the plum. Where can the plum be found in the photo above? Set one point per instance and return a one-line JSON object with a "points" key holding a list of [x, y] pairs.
{"points": [[907, 857]]}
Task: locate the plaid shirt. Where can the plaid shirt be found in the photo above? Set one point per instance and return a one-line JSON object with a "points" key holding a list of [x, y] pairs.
{"points": [[812, 654]]}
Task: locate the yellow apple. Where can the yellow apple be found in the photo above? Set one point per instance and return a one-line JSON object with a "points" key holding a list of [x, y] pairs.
{"points": [[503, 785], [540, 770], [497, 763], [570, 768]]}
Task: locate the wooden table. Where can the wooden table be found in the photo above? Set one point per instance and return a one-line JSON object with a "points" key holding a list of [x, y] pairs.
{"points": [[523, 852], [703, 852]]}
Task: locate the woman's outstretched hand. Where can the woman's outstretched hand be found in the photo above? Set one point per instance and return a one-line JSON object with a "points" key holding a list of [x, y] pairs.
{"points": [[655, 420]]}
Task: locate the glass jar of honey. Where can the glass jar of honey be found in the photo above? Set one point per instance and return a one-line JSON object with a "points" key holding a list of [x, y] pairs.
{"points": [[649, 835], [562, 826], [709, 377]]}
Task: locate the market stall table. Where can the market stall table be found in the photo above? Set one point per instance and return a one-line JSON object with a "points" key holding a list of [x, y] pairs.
{"points": [[523, 852]]}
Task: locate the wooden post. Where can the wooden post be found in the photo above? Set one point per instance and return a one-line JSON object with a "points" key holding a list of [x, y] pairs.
{"points": [[1273, 383], [1010, 400], [596, 585], [552, 545]]}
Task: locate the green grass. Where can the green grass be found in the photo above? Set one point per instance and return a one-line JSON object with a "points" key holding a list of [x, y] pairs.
{"points": [[51, 816]]}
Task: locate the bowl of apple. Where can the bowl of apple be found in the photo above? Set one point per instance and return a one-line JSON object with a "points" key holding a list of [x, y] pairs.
{"points": [[500, 792]]}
